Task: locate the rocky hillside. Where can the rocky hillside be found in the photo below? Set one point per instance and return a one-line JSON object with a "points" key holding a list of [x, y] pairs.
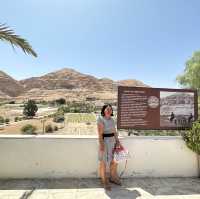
{"points": [[62, 79], [9, 86], [71, 79], [66, 82]]}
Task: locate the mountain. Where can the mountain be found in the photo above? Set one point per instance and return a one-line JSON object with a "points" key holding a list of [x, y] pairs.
{"points": [[3, 95], [71, 79], [9, 86], [131, 82], [62, 79], [67, 83]]}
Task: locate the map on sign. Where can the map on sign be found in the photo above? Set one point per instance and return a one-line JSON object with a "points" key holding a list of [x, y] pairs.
{"points": [[156, 108]]}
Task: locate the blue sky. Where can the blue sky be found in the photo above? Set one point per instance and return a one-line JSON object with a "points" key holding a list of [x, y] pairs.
{"points": [[148, 40]]}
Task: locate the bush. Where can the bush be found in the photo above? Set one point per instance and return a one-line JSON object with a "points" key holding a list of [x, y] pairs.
{"points": [[59, 118], [28, 129], [49, 128], [63, 109], [172, 133], [7, 120], [55, 128], [20, 118], [12, 102], [43, 102], [61, 101], [16, 119], [1, 120], [192, 137]]}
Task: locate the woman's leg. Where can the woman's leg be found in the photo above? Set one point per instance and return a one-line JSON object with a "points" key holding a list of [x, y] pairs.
{"points": [[113, 173], [113, 170], [102, 172]]}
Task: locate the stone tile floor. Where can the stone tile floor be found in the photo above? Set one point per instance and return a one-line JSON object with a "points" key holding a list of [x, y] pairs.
{"points": [[133, 188]]}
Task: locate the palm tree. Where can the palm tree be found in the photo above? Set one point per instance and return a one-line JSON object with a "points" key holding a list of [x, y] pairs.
{"points": [[8, 35]]}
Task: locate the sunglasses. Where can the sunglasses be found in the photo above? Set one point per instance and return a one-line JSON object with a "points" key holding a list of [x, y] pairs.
{"points": [[108, 109]]}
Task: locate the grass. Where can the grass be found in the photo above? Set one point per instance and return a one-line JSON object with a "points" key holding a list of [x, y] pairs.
{"points": [[80, 117], [161, 133]]}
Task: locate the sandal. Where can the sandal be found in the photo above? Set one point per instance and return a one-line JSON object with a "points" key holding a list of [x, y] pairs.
{"points": [[117, 182], [106, 186]]}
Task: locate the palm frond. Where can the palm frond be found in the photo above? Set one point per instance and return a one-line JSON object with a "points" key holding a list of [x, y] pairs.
{"points": [[8, 35]]}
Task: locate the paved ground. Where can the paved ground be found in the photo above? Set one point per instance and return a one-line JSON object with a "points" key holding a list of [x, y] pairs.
{"points": [[133, 188]]}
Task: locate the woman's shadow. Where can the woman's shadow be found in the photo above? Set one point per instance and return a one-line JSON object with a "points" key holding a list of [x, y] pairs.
{"points": [[119, 192]]}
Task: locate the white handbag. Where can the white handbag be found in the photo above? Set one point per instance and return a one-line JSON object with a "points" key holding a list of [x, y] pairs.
{"points": [[120, 154]]}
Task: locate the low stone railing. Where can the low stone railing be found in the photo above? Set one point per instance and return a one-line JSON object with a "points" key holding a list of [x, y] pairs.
{"points": [[54, 156]]}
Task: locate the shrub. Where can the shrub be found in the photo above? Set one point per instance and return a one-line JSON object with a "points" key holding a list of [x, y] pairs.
{"points": [[7, 120], [192, 140], [192, 137], [49, 128], [1, 120], [60, 101], [59, 118], [28, 129], [20, 118], [55, 128], [16, 119], [43, 102], [12, 102], [63, 109]]}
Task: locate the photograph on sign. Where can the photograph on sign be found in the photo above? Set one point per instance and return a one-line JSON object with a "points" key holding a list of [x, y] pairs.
{"points": [[176, 109]]}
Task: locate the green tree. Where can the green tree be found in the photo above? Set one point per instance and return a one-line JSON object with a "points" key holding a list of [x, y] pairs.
{"points": [[8, 35], [30, 108], [191, 75]]}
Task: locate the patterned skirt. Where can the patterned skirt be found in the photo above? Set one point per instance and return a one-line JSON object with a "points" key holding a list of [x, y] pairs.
{"points": [[107, 154]]}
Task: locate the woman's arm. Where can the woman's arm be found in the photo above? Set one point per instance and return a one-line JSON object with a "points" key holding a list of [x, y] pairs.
{"points": [[100, 128], [116, 136]]}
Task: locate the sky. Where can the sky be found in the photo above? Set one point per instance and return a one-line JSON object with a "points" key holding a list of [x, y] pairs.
{"points": [[147, 40]]}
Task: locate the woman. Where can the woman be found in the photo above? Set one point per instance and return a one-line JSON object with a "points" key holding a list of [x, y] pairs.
{"points": [[108, 139]]}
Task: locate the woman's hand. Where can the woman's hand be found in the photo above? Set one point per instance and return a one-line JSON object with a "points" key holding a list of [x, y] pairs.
{"points": [[118, 144]]}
